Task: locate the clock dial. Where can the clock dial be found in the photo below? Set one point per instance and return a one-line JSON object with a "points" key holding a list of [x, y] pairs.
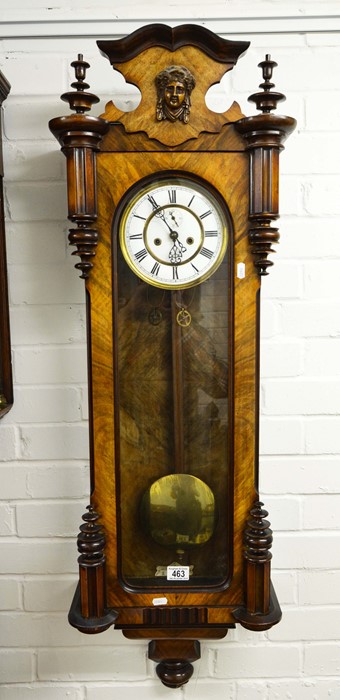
{"points": [[173, 233]]}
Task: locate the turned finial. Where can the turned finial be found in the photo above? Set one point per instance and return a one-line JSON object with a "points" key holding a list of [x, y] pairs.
{"points": [[80, 67], [258, 536], [267, 100], [80, 100], [91, 539]]}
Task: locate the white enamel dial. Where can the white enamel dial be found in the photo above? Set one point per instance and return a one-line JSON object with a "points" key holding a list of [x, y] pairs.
{"points": [[173, 233]]}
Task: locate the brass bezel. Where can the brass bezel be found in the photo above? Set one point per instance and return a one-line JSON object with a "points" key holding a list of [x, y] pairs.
{"points": [[167, 178]]}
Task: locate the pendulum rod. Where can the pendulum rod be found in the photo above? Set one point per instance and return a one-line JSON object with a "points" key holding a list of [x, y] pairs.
{"points": [[177, 380]]}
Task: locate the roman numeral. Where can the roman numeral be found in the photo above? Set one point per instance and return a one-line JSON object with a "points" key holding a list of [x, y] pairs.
{"points": [[191, 200], [195, 268], [136, 237], [207, 253], [172, 196], [155, 269], [206, 213], [175, 273], [137, 216], [141, 254], [210, 234]]}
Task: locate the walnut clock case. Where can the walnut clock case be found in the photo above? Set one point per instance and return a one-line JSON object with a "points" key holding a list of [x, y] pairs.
{"points": [[173, 206]]}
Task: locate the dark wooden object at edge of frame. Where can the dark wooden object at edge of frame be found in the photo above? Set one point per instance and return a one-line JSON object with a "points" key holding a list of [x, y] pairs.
{"points": [[6, 382], [174, 648]]}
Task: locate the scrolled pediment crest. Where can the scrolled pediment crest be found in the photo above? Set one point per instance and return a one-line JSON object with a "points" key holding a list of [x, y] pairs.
{"points": [[146, 57]]}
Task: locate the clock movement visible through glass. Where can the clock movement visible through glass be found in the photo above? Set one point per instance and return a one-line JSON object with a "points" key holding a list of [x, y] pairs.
{"points": [[173, 392]]}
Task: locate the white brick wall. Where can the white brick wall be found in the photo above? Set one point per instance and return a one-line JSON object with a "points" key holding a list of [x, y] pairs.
{"points": [[44, 441]]}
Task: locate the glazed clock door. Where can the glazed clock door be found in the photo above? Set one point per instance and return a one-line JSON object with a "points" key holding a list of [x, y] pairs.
{"points": [[172, 318]]}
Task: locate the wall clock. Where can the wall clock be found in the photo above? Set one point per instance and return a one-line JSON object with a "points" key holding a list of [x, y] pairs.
{"points": [[173, 206], [6, 383]]}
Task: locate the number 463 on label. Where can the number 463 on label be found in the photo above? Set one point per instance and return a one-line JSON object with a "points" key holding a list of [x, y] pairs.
{"points": [[176, 573]]}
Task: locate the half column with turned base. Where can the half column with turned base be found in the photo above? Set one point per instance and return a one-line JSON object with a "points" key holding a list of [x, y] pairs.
{"points": [[261, 610], [88, 612]]}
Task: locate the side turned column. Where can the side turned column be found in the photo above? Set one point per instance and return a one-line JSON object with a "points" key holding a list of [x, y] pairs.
{"points": [[264, 134], [80, 136]]}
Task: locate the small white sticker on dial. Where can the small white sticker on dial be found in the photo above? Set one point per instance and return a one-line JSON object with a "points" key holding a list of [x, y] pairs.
{"points": [[178, 573]]}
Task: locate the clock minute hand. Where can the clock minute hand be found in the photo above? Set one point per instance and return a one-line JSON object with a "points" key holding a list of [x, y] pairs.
{"points": [[161, 215], [159, 211]]}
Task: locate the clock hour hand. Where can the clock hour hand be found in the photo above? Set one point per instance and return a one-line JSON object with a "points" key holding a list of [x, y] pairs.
{"points": [[172, 216]]}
